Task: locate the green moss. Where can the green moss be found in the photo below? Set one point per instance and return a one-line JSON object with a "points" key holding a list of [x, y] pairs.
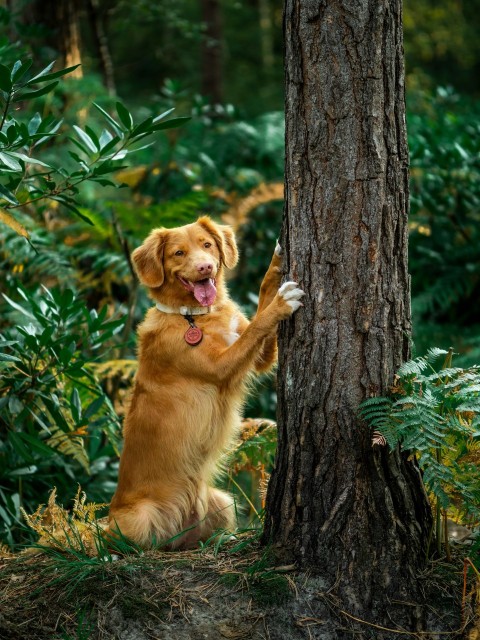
{"points": [[270, 590]]}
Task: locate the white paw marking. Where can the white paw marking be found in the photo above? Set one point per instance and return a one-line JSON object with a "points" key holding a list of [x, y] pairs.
{"points": [[292, 294], [278, 249]]}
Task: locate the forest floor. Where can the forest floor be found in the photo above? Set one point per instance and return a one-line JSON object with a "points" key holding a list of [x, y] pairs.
{"points": [[231, 593]]}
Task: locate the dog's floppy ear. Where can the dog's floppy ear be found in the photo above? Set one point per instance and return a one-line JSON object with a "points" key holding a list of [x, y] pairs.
{"points": [[148, 259], [225, 239]]}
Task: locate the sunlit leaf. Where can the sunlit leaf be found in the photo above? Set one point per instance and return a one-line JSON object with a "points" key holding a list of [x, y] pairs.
{"points": [[10, 162], [44, 77], [109, 118], [163, 115], [20, 68], [7, 219], [7, 195], [85, 138]]}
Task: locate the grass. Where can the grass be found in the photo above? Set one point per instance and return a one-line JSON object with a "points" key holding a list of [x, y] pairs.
{"points": [[63, 592], [80, 586]]}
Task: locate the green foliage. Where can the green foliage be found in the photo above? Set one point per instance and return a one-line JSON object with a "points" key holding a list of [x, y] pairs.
{"points": [[436, 414], [97, 155], [445, 221], [56, 420]]}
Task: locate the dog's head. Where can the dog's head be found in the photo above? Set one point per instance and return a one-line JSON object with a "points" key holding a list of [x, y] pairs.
{"points": [[186, 262]]}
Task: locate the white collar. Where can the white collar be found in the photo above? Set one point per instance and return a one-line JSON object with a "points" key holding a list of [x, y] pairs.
{"points": [[184, 311]]}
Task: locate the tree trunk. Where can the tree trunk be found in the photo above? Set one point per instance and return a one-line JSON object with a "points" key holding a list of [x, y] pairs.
{"points": [[62, 22], [358, 514], [212, 80], [97, 25], [266, 36]]}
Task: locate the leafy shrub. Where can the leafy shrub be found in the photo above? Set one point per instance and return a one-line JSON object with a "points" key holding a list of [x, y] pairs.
{"points": [[435, 413], [444, 138], [56, 420]]}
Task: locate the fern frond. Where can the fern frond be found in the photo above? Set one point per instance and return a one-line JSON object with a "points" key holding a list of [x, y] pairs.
{"points": [[70, 444], [434, 353], [115, 368], [412, 367]]}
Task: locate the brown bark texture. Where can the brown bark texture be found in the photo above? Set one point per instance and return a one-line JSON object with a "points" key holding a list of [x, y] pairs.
{"points": [[357, 514], [212, 76], [62, 22], [100, 39]]}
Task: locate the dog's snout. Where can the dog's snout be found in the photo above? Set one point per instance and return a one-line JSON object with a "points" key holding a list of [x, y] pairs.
{"points": [[205, 268]]}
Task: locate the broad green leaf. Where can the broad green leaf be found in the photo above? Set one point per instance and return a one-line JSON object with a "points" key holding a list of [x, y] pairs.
{"points": [[36, 444], [29, 160], [12, 133], [124, 115], [24, 471], [170, 124], [10, 162], [5, 80], [76, 405], [105, 138], [17, 307], [94, 406], [19, 69], [7, 195], [110, 145], [43, 72], [19, 446], [34, 123], [82, 147], [41, 77], [109, 118], [69, 205], [6, 357], [163, 115], [35, 94], [143, 127], [93, 137], [85, 138]]}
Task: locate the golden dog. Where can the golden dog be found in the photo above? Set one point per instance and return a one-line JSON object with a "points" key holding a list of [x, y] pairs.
{"points": [[196, 351]]}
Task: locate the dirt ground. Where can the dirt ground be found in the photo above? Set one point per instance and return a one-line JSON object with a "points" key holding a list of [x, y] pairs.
{"points": [[202, 595]]}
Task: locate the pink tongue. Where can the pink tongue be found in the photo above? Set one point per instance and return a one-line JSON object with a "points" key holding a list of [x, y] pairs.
{"points": [[205, 292]]}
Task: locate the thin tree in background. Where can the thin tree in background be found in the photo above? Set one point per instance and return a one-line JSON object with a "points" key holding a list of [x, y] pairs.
{"points": [[96, 14], [212, 81], [62, 22], [357, 513]]}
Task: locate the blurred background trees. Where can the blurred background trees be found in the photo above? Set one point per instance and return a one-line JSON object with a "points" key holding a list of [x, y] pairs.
{"points": [[218, 62]]}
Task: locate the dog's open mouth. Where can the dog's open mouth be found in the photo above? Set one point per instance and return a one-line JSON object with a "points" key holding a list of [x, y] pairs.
{"points": [[204, 290]]}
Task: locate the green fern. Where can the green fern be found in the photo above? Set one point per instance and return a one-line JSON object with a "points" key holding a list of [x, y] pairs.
{"points": [[436, 414]]}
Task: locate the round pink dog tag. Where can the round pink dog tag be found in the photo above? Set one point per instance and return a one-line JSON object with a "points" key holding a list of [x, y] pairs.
{"points": [[193, 336]]}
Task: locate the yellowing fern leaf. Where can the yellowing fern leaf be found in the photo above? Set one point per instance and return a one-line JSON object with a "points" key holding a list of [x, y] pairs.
{"points": [[70, 444]]}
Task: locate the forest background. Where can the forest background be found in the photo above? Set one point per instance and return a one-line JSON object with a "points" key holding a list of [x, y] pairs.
{"points": [[70, 218]]}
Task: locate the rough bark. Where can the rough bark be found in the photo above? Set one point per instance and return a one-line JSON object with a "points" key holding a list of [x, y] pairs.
{"points": [[99, 32], [358, 514], [212, 78]]}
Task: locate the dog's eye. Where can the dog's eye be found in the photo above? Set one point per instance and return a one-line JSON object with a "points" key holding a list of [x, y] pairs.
{"points": [[179, 253], [207, 245]]}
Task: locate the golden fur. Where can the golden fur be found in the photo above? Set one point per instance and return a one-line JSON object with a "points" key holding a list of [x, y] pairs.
{"points": [[186, 400]]}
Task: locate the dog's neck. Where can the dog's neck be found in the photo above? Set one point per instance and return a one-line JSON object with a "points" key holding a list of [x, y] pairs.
{"points": [[184, 311]]}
